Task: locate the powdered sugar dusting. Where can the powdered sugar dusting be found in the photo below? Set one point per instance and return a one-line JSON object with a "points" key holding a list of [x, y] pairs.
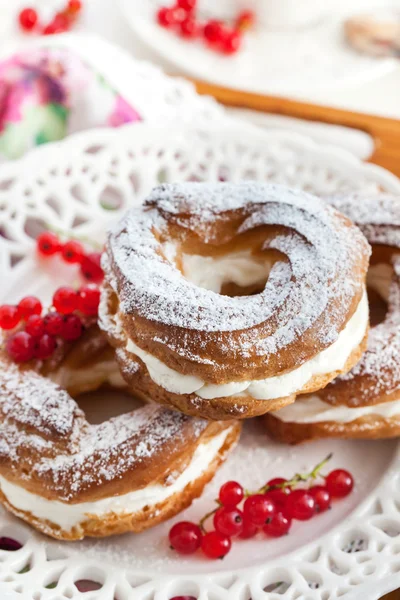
{"points": [[380, 364], [378, 216], [322, 253], [45, 435], [31, 400], [378, 371]]}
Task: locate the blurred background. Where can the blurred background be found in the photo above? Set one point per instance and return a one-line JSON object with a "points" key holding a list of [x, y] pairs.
{"points": [[340, 54]]}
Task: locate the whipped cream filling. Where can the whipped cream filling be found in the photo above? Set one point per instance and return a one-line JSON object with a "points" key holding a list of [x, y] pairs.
{"points": [[68, 516], [241, 268], [331, 359], [105, 371], [311, 409]]}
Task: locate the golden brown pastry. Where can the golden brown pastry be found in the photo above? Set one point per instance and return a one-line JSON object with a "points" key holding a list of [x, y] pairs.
{"points": [[69, 478], [364, 403], [233, 298], [377, 34]]}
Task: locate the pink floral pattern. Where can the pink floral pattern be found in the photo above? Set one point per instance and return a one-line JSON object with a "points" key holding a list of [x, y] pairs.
{"points": [[49, 93]]}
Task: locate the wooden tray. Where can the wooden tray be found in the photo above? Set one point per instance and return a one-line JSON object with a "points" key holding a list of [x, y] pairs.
{"points": [[384, 132]]}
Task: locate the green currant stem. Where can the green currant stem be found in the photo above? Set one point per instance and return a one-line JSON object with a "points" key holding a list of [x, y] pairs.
{"points": [[73, 236], [208, 515], [297, 478]]}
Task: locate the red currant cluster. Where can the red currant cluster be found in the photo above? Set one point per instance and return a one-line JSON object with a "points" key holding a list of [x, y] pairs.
{"points": [[38, 334], [62, 21], [182, 18], [271, 510], [72, 252]]}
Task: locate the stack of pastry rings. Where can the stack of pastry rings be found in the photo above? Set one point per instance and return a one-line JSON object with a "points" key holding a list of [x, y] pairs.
{"points": [[364, 403], [228, 300]]}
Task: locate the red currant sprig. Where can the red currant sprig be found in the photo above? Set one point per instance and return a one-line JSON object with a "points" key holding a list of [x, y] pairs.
{"points": [[38, 336], [71, 252], [270, 509], [219, 36], [62, 21]]}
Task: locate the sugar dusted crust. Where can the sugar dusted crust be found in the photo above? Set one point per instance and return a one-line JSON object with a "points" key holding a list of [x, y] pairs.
{"points": [[150, 516], [375, 34], [48, 448], [371, 427], [314, 287], [375, 379]]}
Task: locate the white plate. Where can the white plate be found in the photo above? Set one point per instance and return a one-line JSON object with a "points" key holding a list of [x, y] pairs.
{"points": [[344, 552], [295, 62]]}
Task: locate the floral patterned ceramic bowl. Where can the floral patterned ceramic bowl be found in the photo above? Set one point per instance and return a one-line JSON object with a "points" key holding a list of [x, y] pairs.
{"points": [[51, 92], [52, 88]]}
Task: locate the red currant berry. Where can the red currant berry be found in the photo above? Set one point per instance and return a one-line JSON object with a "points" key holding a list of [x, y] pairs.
{"points": [[189, 28], [249, 530], [213, 31], [65, 300], [185, 537], [300, 505], [91, 267], [50, 29], [9, 316], [245, 20], [72, 252], [231, 493], [165, 17], [277, 494], [89, 299], [321, 496], [72, 328], [35, 326], [278, 526], [228, 521], [28, 18], [187, 5], [30, 305], [276, 482], [53, 323], [339, 483], [48, 244], [169, 17], [259, 509], [231, 41], [21, 347], [74, 6], [45, 346], [59, 24], [215, 545]]}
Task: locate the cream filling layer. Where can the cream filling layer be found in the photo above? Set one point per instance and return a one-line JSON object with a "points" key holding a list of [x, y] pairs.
{"points": [[311, 409], [211, 273], [99, 373], [68, 516], [331, 359]]}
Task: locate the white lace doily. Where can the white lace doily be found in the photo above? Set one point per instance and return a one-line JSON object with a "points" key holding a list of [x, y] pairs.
{"points": [[278, 62], [84, 183]]}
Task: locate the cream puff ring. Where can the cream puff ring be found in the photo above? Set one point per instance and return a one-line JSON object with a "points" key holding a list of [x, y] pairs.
{"points": [[233, 298], [364, 403], [69, 478]]}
